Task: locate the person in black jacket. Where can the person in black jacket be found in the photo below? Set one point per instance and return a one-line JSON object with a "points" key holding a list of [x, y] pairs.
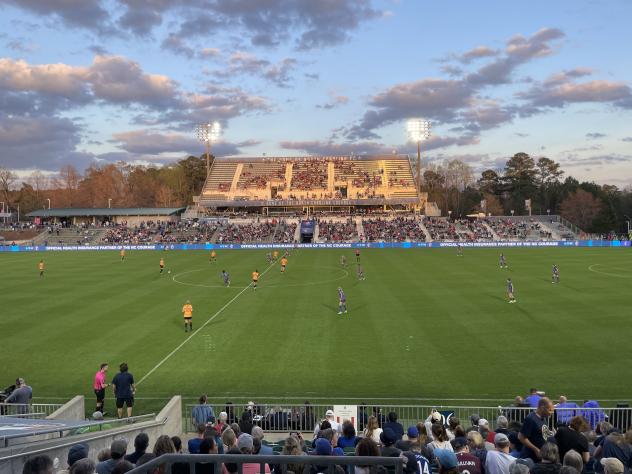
{"points": [[392, 423]]}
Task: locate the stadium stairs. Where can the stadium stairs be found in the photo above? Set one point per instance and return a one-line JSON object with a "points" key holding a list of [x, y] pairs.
{"points": [[490, 230], [425, 230], [359, 228]]}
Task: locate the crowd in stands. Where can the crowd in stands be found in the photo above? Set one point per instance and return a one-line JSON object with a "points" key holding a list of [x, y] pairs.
{"points": [[259, 180], [545, 439], [285, 232], [239, 233], [508, 229], [160, 232], [441, 229], [337, 231], [476, 230], [399, 229], [309, 175]]}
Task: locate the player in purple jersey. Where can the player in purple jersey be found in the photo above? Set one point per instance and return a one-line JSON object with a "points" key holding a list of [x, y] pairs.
{"points": [[342, 301]]}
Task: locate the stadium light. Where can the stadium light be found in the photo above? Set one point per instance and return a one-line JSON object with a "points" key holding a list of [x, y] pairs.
{"points": [[48, 199], [418, 131], [208, 133], [109, 203]]}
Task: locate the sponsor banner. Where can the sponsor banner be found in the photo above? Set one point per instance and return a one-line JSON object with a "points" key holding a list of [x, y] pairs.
{"points": [[324, 245], [346, 412]]}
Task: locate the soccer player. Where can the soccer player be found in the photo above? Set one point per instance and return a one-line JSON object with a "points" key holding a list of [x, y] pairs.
{"points": [[99, 386], [213, 257], [502, 262], [357, 253], [162, 264], [122, 253], [343, 261], [255, 279], [459, 250], [510, 291], [187, 312], [41, 266], [269, 257], [283, 264], [226, 277], [360, 272], [275, 255], [342, 301], [556, 274]]}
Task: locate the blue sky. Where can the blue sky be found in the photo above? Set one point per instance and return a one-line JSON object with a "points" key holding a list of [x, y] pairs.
{"points": [[84, 81]]}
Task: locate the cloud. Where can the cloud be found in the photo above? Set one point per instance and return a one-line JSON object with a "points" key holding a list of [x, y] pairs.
{"points": [[595, 135], [329, 148], [336, 101], [608, 159], [176, 45], [242, 63], [626, 139], [20, 46]]}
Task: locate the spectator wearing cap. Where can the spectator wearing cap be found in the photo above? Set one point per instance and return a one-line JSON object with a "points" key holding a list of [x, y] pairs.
{"points": [[245, 444], [412, 435], [388, 439], [348, 438], [329, 416], [498, 461], [117, 452], [332, 436], [466, 462], [447, 461], [75, 453], [141, 443], [571, 437], [534, 429], [393, 424], [612, 466], [21, 396], [550, 463]]}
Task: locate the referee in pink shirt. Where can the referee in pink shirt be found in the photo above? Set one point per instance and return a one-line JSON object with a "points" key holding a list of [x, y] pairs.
{"points": [[99, 387]]}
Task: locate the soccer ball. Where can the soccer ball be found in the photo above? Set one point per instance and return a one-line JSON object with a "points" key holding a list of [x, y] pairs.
{"points": [[168, 271]]}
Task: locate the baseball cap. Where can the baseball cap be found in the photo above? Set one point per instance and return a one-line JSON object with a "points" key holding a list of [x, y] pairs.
{"points": [[459, 442], [76, 452], [118, 446], [612, 465], [413, 432], [483, 422], [388, 436], [501, 439], [436, 416], [323, 447], [245, 441], [446, 457], [329, 413]]}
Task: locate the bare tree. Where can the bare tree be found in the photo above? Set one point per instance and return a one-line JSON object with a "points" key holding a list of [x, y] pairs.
{"points": [[581, 208], [7, 179]]}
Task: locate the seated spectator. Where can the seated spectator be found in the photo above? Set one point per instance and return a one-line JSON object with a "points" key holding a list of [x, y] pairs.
{"points": [[565, 411], [194, 443], [614, 446], [574, 459], [571, 437], [229, 439], [486, 433], [392, 423], [293, 447], [348, 438], [207, 446], [412, 435], [122, 467], [498, 461], [163, 445], [141, 442], [467, 462], [83, 466], [477, 446], [322, 448], [117, 452], [447, 461], [372, 430], [550, 463], [245, 445], [257, 434], [388, 439], [75, 453], [612, 466], [367, 447]]}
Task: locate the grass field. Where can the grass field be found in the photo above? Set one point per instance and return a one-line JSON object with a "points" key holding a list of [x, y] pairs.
{"points": [[425, 323]]}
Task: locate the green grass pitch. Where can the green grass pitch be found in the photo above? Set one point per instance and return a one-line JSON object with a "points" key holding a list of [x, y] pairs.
{"points": [[424, 323]]}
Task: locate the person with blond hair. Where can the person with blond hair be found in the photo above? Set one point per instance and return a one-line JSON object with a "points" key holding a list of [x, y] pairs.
{"points": [[372, 430]]}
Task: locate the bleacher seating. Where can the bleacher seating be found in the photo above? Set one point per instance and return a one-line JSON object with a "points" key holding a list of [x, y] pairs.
{"points": [[337, 230], [399, 229]]}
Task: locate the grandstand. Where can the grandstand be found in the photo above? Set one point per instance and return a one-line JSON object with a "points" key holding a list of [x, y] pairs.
{"points": [[273, 184]]}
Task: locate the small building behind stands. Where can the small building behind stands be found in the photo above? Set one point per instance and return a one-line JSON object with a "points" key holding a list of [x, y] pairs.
{"points": [[98, 216]]}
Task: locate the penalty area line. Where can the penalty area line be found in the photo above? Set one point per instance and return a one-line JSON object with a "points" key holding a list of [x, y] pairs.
{"points": [[219, 311]]}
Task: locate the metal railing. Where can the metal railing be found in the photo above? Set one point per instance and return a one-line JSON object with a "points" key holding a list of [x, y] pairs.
{"points": [[287, 417], [29, 410], [324, 463], [82, 428]]}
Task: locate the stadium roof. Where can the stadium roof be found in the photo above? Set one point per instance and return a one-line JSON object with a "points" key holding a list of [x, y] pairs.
{"points": [[105, 211]]}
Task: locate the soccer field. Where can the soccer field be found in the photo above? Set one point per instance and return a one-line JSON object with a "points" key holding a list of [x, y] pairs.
{"points": [[424, 324]]}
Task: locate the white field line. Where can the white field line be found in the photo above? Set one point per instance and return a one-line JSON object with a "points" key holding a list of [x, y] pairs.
{"points": [[219, 311]]}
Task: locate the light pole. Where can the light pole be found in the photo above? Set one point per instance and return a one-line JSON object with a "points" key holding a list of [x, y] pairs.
{"points": [[48, 199], [418, 130], [208, 133], [109, 203]]}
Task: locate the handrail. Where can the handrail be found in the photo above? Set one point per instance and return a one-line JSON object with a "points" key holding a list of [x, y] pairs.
{"points": [[103, 434], [240, 459]]}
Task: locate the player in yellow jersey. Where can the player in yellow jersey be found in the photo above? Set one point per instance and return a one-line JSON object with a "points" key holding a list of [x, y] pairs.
{"points": [[275, 255], [213, 257], [187, 312], [283, 264], [40, 265], [122, 255], [255, 279], [162, 264]]}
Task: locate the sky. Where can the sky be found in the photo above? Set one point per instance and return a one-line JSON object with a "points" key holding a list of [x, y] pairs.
{"points": [[98, 81]]}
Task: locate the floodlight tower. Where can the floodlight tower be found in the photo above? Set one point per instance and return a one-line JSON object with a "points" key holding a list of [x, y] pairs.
{"points": [[208, 133], [418, 131]]}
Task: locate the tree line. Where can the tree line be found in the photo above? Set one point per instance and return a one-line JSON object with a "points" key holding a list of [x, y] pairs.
{"points": [[452, 185]]}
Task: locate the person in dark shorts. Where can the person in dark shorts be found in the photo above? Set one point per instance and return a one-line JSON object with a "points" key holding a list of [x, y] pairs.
{"points": [[99, 387], [124, 390]]}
